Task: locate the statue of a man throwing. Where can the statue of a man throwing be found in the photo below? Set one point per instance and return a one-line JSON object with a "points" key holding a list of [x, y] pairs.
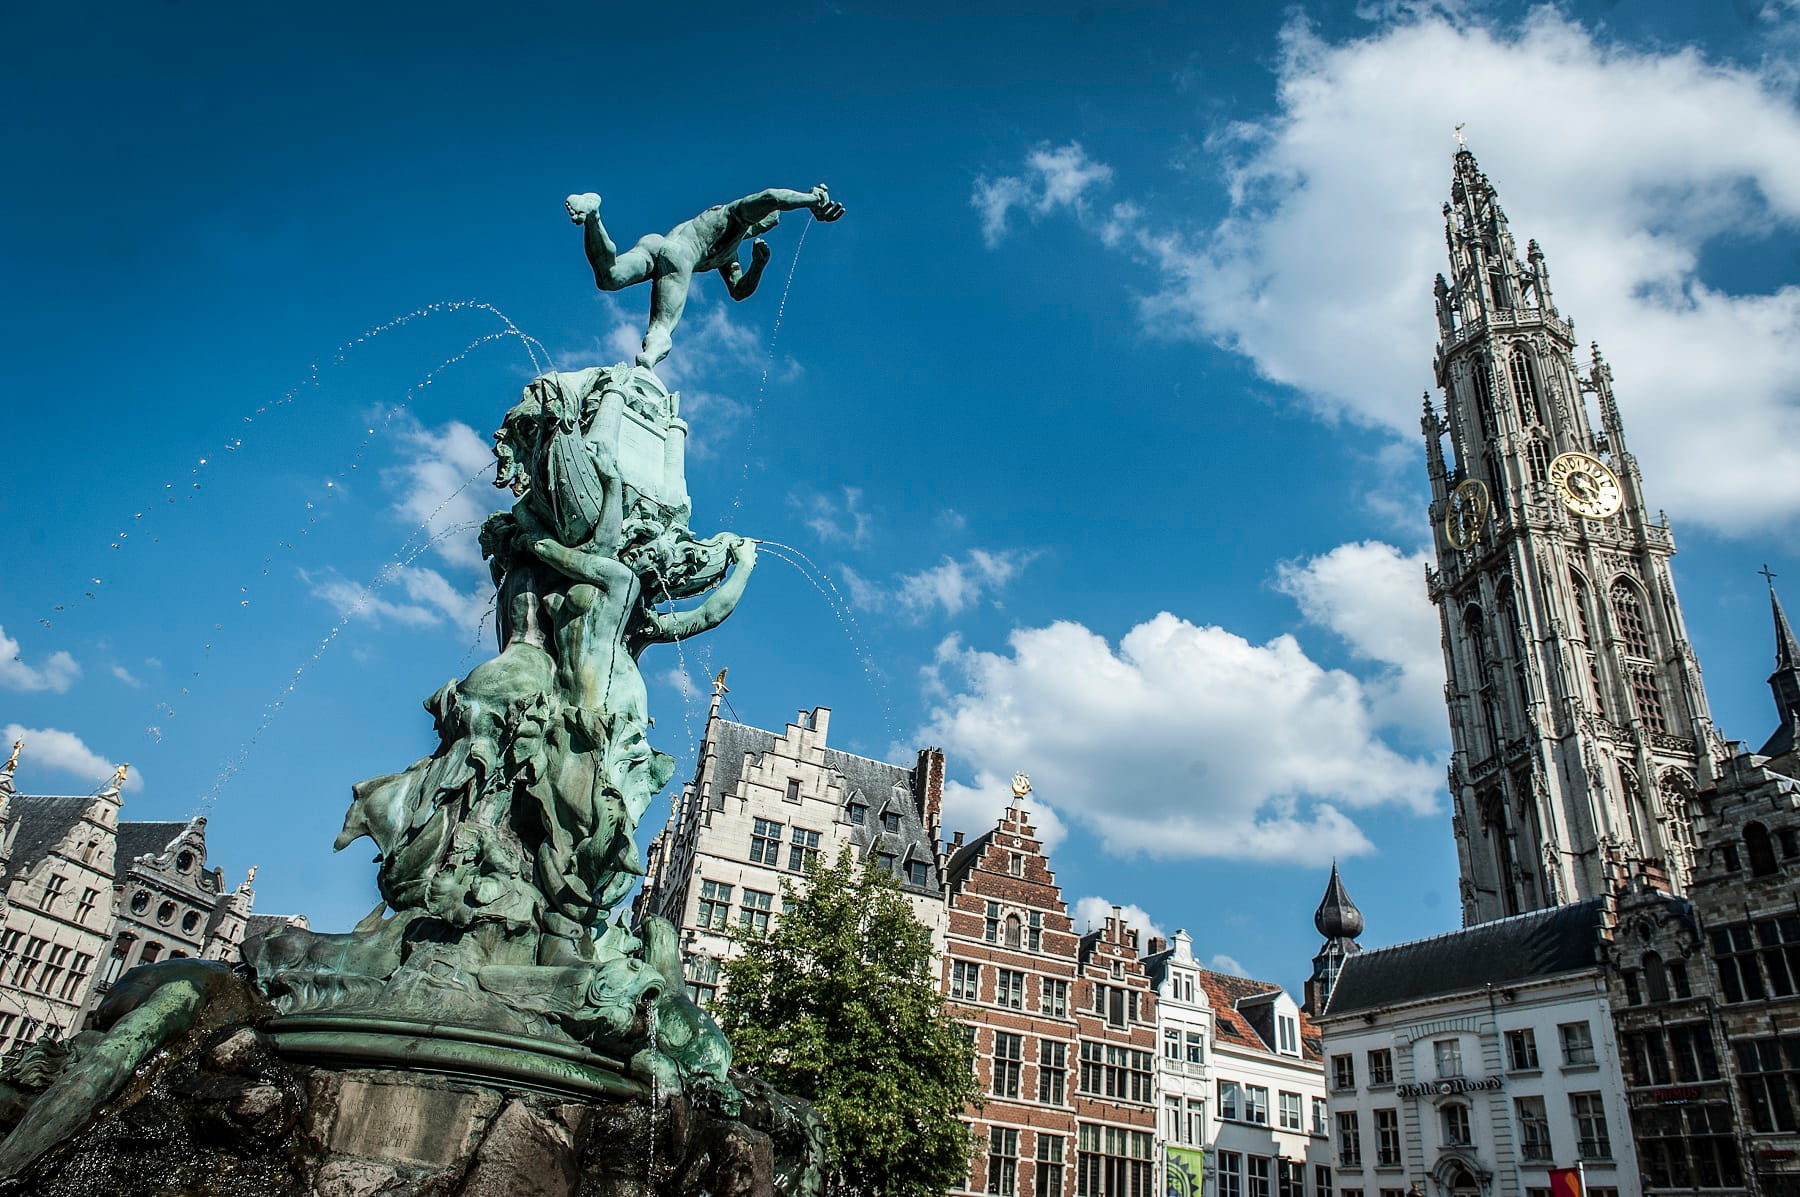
{"points": [[709, 241]]}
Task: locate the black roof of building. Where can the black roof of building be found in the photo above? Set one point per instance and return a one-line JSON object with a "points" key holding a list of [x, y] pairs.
{"points": [[43, 819], [965, 857], [145, 839], [1543, 943]]}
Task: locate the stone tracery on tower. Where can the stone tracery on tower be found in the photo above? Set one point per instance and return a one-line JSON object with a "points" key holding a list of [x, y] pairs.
{"points": [[1579, 726]]}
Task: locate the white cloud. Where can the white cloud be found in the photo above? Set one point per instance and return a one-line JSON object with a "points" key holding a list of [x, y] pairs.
{"points": [[441, 488], [1373, 598], [1625, 165], [976, 808], [56, 674], [833, 522], [63, 752], [951, 586], [1221, 963], [428, 598], [1055, 177], [1183, 742], [125, 675], [1091, 913]]}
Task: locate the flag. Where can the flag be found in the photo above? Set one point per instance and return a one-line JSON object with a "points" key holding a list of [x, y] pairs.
{"points": [[1566, 1182]]}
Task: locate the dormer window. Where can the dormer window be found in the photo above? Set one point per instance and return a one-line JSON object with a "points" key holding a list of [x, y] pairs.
{"points": [[859, 814], [1287, 1035], [185, 862], [890, 822]]}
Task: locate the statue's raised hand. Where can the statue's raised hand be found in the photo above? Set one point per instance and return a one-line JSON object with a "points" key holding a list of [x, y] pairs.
{"points": [[581, 206], [760, 252], [743, 553], [825, 208]]}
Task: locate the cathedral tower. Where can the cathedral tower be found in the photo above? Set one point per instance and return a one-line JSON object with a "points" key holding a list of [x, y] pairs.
{"points": [[1579, 729]]}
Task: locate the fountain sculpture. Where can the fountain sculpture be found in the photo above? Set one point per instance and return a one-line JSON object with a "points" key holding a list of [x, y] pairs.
{"points": [[486, 1029]]}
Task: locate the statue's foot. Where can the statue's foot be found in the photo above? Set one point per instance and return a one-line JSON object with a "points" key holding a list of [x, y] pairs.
{"points": [[581, 206]]}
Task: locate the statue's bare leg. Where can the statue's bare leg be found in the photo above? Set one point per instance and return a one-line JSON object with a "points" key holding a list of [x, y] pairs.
{"points": [[613, 271], [668, 299]]}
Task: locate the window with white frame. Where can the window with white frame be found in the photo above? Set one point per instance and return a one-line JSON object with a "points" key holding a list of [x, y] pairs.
{"points": [[1196, 1048], [1257, 1170], [1387, 1137], [1381, 1066], [1228, 1167], [1577, 1042], [1009, 1056], [1256, 1104], [1289, 1105], [1055, 998], [1343, 1072], [715, 905], [965, 981], [1320, 1116], [1349, 1140], [1287, 1035], [1053, 1068], [1230, 1099], [1591, 1139], [1448, 1053], [1009, 988], [1534, 1128], [1521, 1050], [1455, 1120], [1003, 1161]]}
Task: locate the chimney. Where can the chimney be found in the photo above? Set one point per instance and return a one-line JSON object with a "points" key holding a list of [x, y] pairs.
{"points": [[928, 790], [1158, 944]]}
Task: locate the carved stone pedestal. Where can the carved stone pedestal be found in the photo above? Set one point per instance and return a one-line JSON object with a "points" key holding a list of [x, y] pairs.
{"points": [[240, 1116]]}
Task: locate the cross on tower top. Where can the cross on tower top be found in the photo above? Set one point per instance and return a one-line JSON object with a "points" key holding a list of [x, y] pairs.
{"points": [[1461, 141], [1769, 576]]}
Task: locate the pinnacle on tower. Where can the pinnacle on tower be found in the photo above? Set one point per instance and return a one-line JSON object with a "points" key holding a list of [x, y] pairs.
{"points": [[1337, 916], [1785, 681]]}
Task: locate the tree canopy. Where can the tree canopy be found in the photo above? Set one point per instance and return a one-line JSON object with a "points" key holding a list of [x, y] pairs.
{"points": [[838, 1003]]}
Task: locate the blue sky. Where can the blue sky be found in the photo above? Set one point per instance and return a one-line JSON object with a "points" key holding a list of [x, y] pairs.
{"points": [[1097, 415]]}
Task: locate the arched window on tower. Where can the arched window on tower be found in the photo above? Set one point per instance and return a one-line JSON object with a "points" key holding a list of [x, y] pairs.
{"points": [[1476, 628], [1538, 456], [1578, 596], [1524, 388], [1675, 794], [1484, 395], [1507, 608], [1628, 617]]}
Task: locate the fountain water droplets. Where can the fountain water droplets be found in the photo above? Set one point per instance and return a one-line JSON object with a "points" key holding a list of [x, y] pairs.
{"points": [[846, 617], [388, 572], [737, 500], [532, 346], [687, 680]]}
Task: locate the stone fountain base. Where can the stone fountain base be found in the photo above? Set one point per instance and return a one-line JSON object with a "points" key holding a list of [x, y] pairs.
{"points": [[254, 1111]]}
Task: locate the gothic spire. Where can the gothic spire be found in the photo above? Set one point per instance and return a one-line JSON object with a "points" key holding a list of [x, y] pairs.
{"points": [[1785, 681], [1337, 916]]}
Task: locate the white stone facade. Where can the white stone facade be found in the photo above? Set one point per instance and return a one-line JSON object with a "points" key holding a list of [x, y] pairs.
{"points": [[760, 806], [1239, 1080], [1476, 1090]]}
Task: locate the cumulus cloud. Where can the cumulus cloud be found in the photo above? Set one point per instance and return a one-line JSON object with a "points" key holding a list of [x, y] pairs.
{"points": [[56, 674], [834, 521], [1091, 913], [1221, 963], [63, 752], [442, 488], [1626, 165], [405, 595], [1372, 596], [1184, 741], [975, 807], [1054, 177], [951, 586]]}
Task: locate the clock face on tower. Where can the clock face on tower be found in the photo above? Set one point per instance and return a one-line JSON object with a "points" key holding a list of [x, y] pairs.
{"points": [[1587, 487], [1466, 512]]}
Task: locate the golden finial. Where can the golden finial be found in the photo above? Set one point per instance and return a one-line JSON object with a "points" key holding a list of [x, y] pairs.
{"points": [[118, 780], [250, 876], [12, 762], [1462, 142], [1021, 786], [719, 686]]}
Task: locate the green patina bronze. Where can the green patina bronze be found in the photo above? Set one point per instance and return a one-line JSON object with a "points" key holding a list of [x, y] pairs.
{"points": [[503, 853]]}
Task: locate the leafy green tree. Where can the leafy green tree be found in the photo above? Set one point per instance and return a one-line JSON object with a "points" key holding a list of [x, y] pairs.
{"points": [[839, 1004]]}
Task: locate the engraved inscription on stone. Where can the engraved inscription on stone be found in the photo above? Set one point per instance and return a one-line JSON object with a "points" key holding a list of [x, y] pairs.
{"points": [[403, 1123]]}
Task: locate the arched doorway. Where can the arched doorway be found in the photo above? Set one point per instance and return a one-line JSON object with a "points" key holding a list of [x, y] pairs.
{"points": [[1460, 1183]]}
